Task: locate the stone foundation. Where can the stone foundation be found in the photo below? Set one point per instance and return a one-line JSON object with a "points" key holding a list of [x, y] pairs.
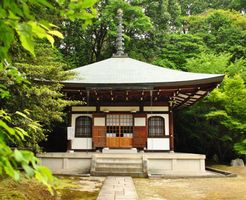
{"points": [[169, 164]]}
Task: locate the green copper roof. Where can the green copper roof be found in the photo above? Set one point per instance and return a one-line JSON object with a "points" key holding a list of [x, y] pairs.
{"points": [[124, 70]]}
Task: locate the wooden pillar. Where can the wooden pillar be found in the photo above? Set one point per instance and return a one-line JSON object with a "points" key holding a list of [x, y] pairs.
{"points": [[171, 133], [69, 123], [69, 145]]}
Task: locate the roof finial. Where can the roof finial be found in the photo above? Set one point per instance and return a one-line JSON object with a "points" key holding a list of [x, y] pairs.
{"points": [[120, 40]]}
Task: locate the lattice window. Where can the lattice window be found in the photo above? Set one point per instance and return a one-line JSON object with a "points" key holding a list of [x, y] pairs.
{"points": [[83, 127], [156, 126], [119, 125]]}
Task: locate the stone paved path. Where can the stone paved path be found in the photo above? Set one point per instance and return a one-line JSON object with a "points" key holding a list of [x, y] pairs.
{"points": [[118, 188]]}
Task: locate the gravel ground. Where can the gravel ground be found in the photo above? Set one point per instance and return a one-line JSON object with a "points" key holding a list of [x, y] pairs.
{"points": [[233, 188]]}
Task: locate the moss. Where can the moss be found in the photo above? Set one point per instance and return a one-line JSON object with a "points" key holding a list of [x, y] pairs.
{"points": [[69, 194], [10, 195], [69, 188], [26, 189], [72, 188]]}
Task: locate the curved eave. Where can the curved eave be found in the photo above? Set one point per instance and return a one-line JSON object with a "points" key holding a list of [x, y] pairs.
{"points": [[213, 80]]}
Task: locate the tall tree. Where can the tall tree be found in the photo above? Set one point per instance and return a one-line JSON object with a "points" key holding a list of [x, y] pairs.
{"points": [[222, 31], [218, 123], [42, 94], [177, 48], [96, 42], [194, 7]]}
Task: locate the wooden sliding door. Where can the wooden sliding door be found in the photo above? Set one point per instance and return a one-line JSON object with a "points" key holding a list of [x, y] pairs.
{"points": [[119, 130]]}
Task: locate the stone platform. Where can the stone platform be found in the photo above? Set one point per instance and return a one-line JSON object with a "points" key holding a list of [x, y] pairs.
{"points": [[120, 151], [144, 163]]}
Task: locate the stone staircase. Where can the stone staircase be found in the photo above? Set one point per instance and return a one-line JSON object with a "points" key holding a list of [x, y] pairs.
{"points": [[115, 165]]}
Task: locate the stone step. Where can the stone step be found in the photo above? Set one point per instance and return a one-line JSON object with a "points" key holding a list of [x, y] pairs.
{"points": [[118, 157], [106, 173], [115, 166], [132, 161], [117, 151], [119, 170], [120, 164], [112, 165]]}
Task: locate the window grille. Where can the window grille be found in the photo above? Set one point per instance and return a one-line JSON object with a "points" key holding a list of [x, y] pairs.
{"points": [[119, 125], [83, 127], [156, 126]]}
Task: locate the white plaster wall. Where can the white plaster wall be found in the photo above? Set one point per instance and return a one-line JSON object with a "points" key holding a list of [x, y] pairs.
{"points": [[70, 133], [140, 121], [155, 108], [84, 108], [158, 144], [166, 119], [120, 108], [99, 121], [82, 143]]}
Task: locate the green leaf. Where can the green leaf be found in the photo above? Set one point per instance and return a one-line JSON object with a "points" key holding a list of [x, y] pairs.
{"points": [[51, 39], [37, 30], [29, 171], [20, 133], [45, 3], [18, 156], [8, 168], [88, 3], [24, 31], [3, 13], [21, 114], [56, 33], [7, 128]]}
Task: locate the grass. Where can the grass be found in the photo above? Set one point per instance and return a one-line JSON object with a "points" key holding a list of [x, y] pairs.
{"points": [[69, 188], [195, 188]]}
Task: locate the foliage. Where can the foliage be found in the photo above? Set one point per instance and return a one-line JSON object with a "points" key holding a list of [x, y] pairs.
{"points": [[241, 146], [21, 27], [41, 95], [208, 62], [178, 48], [194, 7], [16, 18], [13, 161], [220, 118], [222, 31]]}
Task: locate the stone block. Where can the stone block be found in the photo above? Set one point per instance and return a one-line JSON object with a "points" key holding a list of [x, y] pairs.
{"points": [[237, 162]]}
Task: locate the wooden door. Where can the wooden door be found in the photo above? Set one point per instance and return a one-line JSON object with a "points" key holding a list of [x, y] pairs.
{"points": [[99, 131], [113, 142], [99, 136], [125, 142], [119, 142], [140, 132], [119, 130]]}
